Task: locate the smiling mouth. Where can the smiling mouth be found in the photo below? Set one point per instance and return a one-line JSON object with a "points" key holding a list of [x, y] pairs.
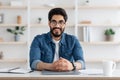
{"points": [[56, 29]]}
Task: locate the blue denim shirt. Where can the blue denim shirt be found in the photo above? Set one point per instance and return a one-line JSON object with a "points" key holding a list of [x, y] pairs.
{"points": [[43, 49]]}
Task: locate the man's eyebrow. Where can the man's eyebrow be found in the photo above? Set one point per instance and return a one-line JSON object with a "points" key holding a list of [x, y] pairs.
{"points": [[61, 20], [55, 20]]}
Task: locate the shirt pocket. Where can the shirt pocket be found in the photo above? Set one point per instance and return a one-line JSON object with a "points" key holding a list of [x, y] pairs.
{"points": [[68, 53], [46, 55]]}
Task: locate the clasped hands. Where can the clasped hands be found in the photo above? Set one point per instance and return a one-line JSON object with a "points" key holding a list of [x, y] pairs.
{"points": [[62, 65]]}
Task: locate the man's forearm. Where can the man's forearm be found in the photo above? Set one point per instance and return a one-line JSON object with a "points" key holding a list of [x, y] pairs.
{"points": [[44, 66]]}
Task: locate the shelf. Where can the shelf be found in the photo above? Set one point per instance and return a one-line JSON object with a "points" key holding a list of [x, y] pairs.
{"points": [[98, 25], [17, 60], [100, 60], [47, 7], [12, 25], [14, 43], [45, 25], [13, 7], [99, 7], [107, 15], [100, 43]]}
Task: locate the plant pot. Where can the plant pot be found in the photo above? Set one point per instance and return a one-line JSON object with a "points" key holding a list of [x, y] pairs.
{"points": [[17, 38], [1, 55], [109, 37]]}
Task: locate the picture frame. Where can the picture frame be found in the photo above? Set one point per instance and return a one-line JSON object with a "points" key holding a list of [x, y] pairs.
{"points": [[1, 18]]}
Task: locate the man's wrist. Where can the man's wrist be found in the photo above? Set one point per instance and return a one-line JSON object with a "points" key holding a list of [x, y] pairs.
{"points": [[74, 66]]}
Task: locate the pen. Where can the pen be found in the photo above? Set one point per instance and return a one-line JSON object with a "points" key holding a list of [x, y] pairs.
{"points": [[31, 71], [13, 69]]}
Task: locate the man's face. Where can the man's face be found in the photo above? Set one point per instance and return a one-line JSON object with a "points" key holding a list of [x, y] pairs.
{"points": [[57, 25]]}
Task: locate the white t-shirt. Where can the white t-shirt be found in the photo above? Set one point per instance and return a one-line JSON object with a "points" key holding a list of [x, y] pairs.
{"points": [[56, 55]]}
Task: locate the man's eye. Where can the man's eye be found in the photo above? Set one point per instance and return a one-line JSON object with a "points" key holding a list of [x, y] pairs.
{"points": [[61, 22]]}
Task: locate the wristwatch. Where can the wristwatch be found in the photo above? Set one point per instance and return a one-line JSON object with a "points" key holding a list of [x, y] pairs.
{"points": [[74, 66]]}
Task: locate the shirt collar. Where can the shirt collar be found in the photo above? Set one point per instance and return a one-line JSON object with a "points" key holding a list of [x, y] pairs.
{"points": [[49, 38]]}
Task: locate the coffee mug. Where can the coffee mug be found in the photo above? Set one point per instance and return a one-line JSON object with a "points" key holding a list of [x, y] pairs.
{"points": [[108, 67]]}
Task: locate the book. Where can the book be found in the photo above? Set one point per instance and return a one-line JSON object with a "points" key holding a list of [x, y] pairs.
{"points": [[86, 34], [16, 70]]}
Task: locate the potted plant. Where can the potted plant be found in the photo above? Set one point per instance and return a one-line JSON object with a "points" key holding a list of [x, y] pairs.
{"points": [[17, 31], [109, 33]]}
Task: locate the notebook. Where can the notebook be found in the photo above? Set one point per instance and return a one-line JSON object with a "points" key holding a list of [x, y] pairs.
{"points": [[44, 72], [16, 70]]}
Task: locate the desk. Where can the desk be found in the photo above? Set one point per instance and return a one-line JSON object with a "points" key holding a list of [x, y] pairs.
{"points": [[38, 76]]}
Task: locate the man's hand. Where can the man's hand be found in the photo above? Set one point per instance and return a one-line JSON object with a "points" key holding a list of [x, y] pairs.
{"points": [[62, 65], [59, 65]]}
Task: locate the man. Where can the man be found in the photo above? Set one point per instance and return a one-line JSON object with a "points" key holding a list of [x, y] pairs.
{"points": [[56, 50]]}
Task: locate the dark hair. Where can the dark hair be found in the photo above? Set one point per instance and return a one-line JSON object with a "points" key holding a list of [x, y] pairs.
{"points": [[57, 11]]}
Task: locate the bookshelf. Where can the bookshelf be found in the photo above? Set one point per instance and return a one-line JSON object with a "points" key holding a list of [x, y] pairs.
{"points": [[14, 60], [14, 43], [32, 10], [93, 17], [13, 52], [13, 7]]}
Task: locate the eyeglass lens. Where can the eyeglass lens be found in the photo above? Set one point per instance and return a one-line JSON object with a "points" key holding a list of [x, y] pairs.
{"points": [[54, 22]]}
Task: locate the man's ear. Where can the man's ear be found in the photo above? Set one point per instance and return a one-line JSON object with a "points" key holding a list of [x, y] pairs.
{"points": [[49, 23], [65, 23]]}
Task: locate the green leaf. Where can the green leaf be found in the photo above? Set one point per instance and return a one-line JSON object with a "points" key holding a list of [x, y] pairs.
{"points": [[22, 28], [17, 30], [21, 33], [109, 31]]}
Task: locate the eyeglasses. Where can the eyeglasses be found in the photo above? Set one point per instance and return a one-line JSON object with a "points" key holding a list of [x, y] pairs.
{"points": [[54, 22]]}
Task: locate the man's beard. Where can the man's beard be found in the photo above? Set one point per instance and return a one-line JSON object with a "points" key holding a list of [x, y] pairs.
{"points": [[56, 34]]}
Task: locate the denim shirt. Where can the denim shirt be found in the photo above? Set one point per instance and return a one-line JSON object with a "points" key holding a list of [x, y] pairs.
{"points": [[43, 49]]}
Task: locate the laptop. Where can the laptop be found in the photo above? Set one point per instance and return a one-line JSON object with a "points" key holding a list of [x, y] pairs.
{"points": [[45, 72]]}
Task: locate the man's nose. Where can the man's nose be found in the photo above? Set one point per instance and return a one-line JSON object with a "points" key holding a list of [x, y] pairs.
{"points": [[57, 25]]}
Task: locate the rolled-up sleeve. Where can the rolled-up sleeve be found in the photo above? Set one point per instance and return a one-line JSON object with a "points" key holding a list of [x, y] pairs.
{"points": [[82, 64], [35, 55], [78, 53]]}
